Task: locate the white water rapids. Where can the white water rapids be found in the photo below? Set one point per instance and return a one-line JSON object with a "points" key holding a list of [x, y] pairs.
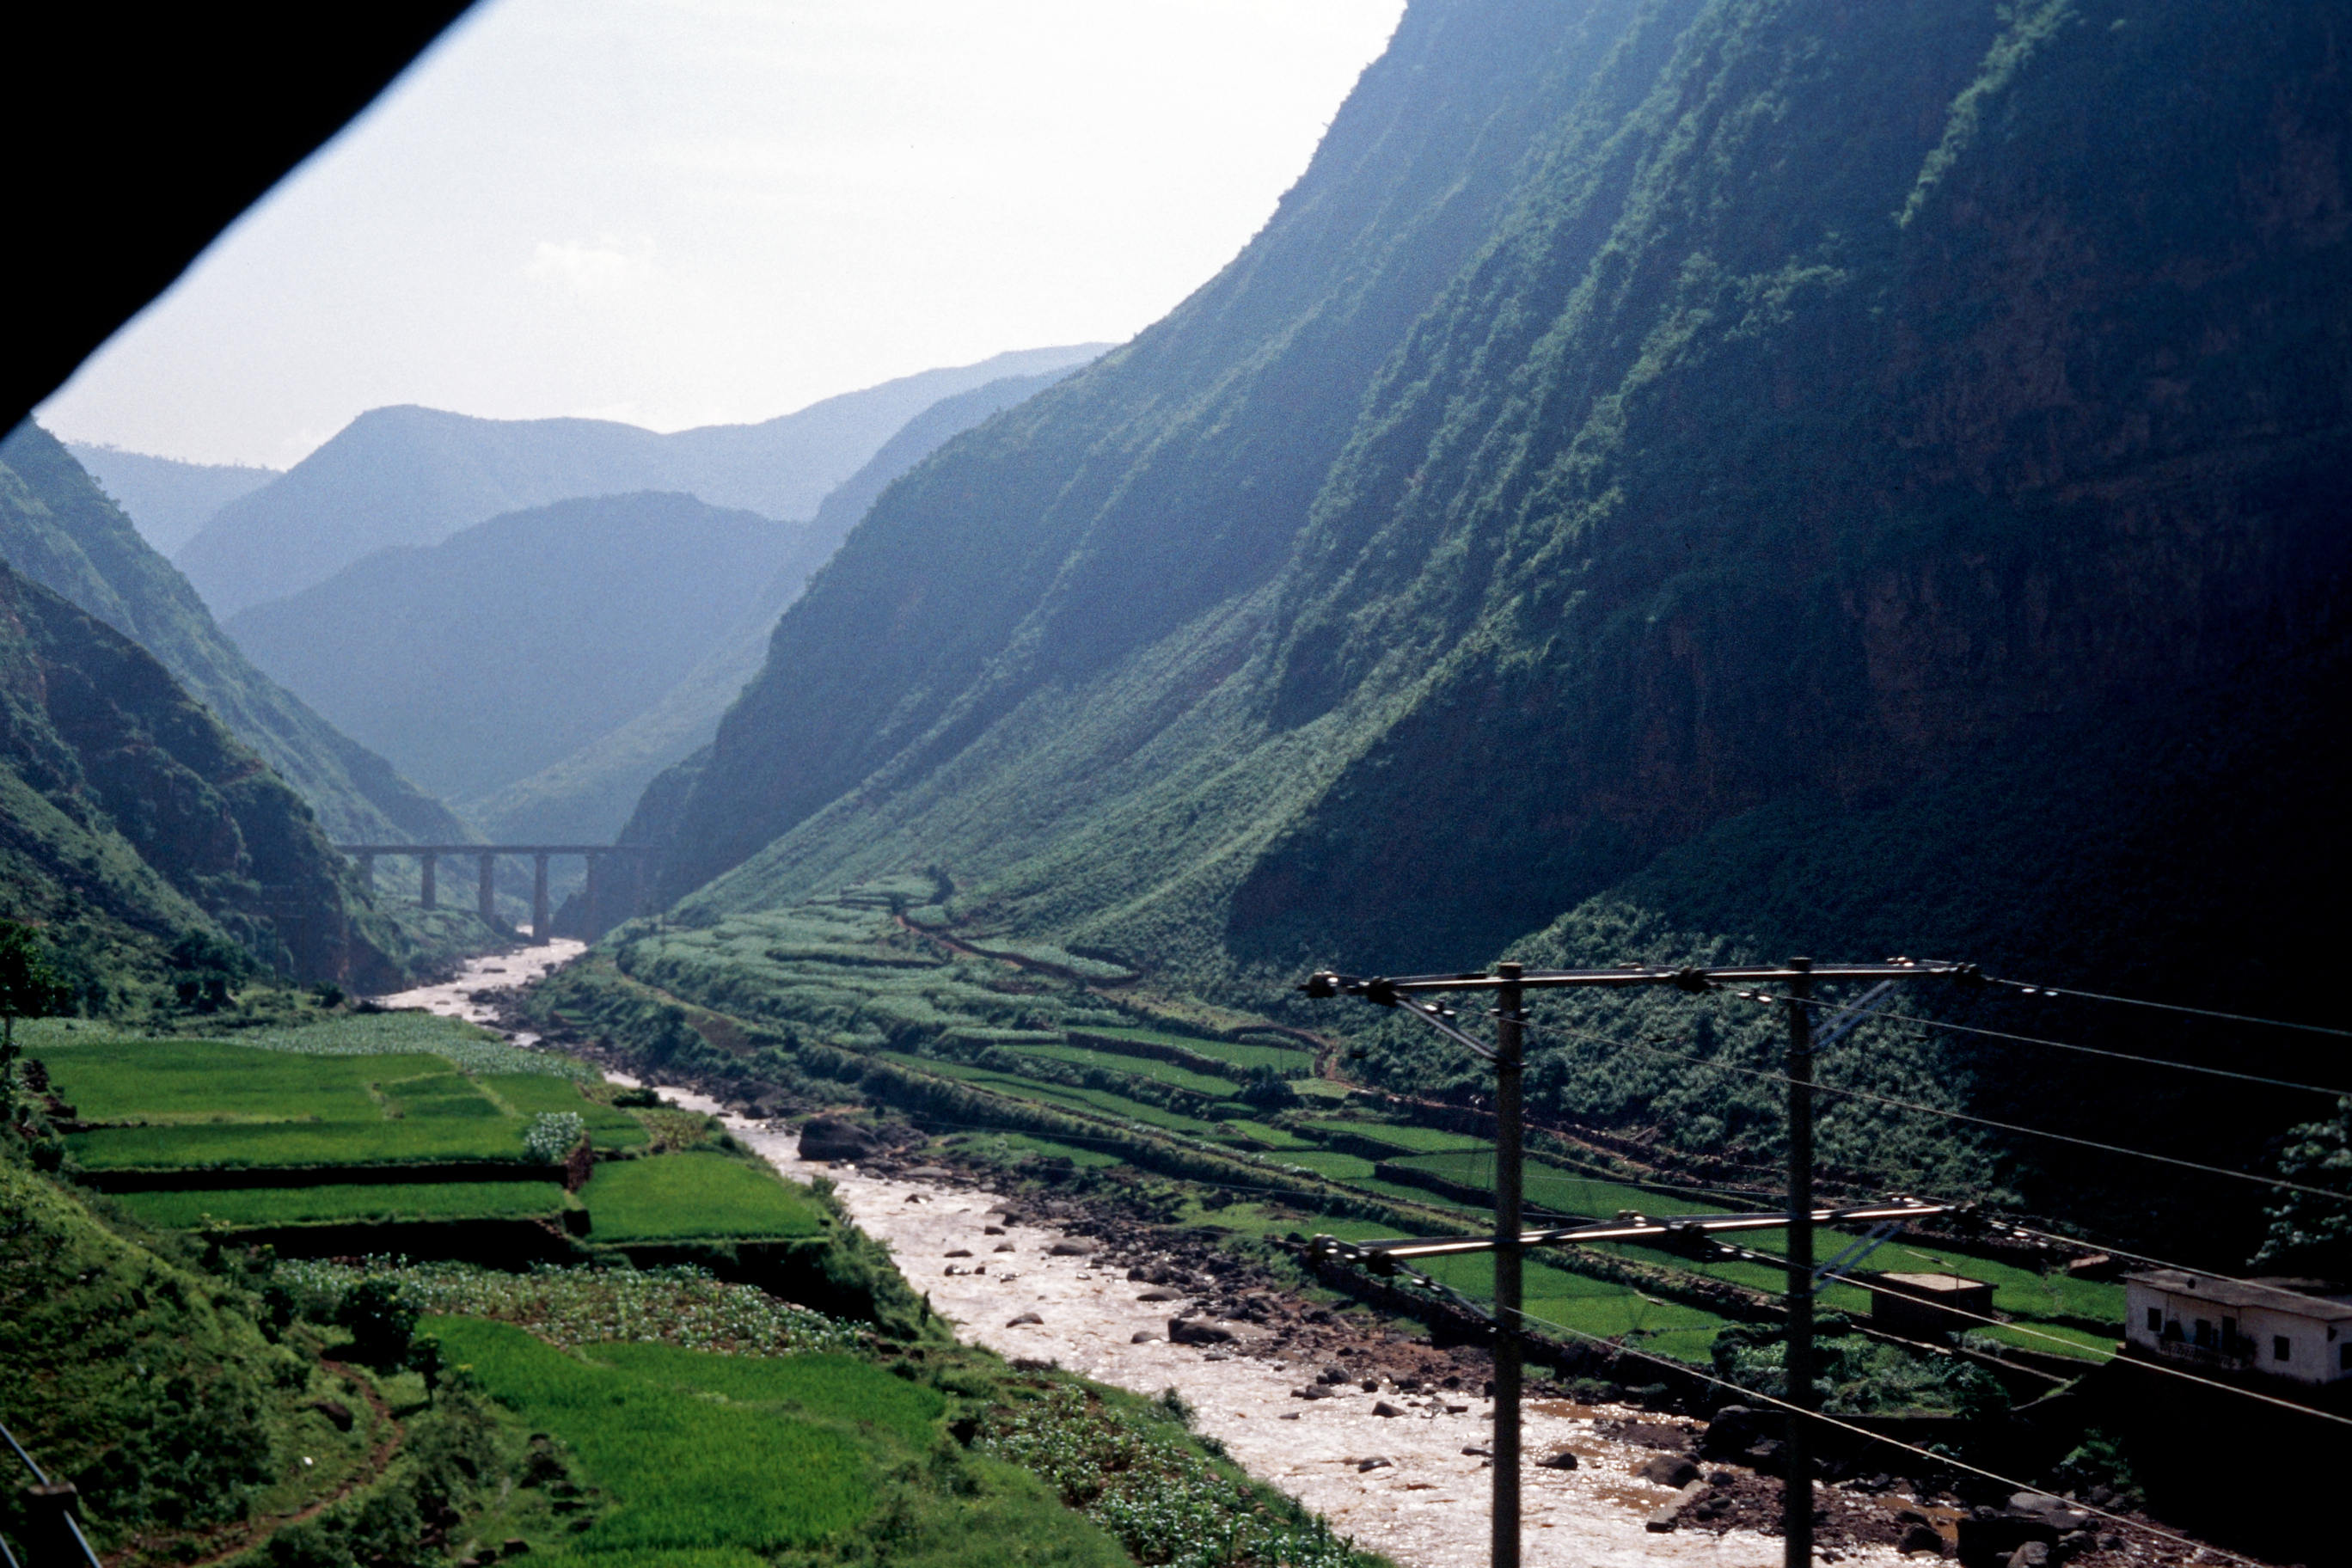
{"points": [[1427, 1507]]}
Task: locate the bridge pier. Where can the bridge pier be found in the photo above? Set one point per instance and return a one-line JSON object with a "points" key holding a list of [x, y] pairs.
{"points": [[606, 901], [592, 897], [367, 872]]}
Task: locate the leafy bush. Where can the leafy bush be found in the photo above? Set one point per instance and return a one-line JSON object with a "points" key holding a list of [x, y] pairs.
{"points": [[1130, 1474], [379, 1321]]}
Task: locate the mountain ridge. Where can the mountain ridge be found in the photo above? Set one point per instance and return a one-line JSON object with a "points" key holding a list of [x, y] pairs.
{"points": [[59, 528], [408, 475], [1770, 421], [589, 795]]}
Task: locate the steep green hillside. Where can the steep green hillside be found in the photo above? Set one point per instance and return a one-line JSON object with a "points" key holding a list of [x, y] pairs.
{"points": [[138, 826], [483, 658], [61, 529], [588, 795], [414, 476], [1898, 443], [167, 500]]}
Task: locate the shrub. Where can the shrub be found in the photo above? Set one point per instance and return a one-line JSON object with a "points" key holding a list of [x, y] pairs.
{"points": [[553, 1134]]}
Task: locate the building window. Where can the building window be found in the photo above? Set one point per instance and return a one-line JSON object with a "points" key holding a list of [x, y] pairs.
{"points": [[2205, 1333], [2344, 1356], [2156, 1319], [2281, 1350]]}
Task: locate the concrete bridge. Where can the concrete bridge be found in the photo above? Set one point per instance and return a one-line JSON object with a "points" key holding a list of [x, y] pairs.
{"points": [[542, 923]]}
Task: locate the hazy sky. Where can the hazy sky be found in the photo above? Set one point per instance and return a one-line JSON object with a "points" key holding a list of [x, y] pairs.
{"points": [[686, 212]]}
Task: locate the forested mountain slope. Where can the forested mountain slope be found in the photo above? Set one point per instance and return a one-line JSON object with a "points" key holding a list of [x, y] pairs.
{"points": [[1743, 474], [481, 660], [58, 528], [137, 832], [414, 476], [165, 499], [587, 795]]}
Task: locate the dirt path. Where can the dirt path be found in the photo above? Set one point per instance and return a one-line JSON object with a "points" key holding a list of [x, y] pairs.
{"points": [[234, 1540]]}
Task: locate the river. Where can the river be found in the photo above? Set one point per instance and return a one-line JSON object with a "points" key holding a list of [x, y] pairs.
{"points": [[1427, 1506]]}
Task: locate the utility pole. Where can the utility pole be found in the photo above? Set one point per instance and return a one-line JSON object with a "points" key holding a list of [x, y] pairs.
{"points": [[1509, 984], [1509, 1056], [1797, 1493]]}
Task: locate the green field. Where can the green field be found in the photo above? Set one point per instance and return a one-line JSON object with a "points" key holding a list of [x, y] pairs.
{"points": [[682, 1470], [1136, 1067], [531, 1094], [380, 1201], [244, 1145], [827, 1387], [1404, 1139], [213, 1104], [1260, 1133], [695, 1196], [1245, 1055], [1098, 1101], [161, 1081], [1561, 1190]]}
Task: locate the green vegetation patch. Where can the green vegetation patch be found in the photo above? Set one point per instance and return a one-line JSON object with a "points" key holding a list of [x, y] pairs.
{"points": [[695, 1194], [160, 1081], [1136, 1067], [681, 1305], [1098, 1101], [1560, 1191], [828, 1387], [683, 1471], [249, 1145], [534, 1094], [369, 1202], [1403, 1137]]}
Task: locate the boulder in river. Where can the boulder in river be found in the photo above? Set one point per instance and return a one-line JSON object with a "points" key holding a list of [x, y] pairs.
{"points": [[1667, 1470], [1023, 1318], [1558, 1460], [1195, 1332], [836, 1138]]}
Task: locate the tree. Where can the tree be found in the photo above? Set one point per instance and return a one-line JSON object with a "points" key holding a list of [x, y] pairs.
{"points": [[29, 988], [2309, 1234]]}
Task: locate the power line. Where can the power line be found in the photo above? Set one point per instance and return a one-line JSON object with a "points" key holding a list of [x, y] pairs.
{"points": [[2278, 1181], [2171, 1007], [2065, 1046]]}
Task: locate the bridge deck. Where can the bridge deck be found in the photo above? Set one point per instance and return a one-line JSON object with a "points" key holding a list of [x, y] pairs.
{"points": [[496, 848]]}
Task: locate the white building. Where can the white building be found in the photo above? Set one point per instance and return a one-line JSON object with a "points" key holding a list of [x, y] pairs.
{"points": [[2296, 1329]]}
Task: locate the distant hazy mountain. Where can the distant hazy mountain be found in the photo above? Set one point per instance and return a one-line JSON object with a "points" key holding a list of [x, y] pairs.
{"points": [[415, 476], [59, 529], [505, 647], [590, 794], [165, 499]]}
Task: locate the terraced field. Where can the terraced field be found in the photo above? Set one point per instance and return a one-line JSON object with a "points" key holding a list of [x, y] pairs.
{"points": [[379, 1202], [850, 980], [694, 1195], [185, 1125]]}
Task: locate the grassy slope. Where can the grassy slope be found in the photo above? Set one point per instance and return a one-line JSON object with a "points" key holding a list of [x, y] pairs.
{"points": [[1631, 437], [146, 1384]]}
